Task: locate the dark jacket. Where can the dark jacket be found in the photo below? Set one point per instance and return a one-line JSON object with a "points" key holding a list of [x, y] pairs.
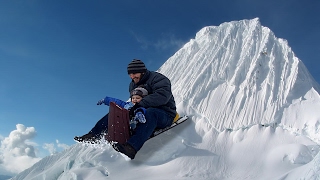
{"points": [[159, 92]]}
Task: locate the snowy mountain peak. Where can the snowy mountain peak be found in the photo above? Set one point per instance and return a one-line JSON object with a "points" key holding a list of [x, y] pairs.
{"points": [[239, 74]]}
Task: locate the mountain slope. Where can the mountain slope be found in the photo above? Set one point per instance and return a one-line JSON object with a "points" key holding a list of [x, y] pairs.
{"points": [[252, 107], [242, 75]]}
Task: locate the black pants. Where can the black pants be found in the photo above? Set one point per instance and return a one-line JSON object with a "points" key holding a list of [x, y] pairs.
{"points": [[101, 126]]}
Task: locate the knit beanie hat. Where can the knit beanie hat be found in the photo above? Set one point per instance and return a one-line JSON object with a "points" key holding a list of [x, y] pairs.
{"points": [[140, 91], [136, 66]]}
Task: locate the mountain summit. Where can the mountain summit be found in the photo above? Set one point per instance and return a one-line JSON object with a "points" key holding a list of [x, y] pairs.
{"points": [[240, 74], [253, 108]]}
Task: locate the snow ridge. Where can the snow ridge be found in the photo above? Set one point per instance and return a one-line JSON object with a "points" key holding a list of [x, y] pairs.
{"points": [[242, 74]]}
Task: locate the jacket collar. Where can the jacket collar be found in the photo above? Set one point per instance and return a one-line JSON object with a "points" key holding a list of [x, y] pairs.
{"points": [[144, 78]]}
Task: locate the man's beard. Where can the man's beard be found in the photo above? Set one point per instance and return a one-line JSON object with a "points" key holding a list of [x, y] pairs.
{"points": [[136, 80]]}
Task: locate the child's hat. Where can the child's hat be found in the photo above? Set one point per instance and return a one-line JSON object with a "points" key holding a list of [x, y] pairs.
{"points": [[139, 91]]}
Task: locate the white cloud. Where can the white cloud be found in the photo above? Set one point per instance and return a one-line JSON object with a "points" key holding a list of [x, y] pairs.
{"points": [[17, 152], [167, 41], [60, 145], [52, 148], [144, 42]]}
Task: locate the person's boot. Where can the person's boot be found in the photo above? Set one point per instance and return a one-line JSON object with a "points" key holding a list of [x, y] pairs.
{"points": [[86, 138], [126, 149]]}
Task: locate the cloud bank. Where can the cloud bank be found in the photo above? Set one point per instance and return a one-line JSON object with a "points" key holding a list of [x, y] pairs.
{"points": [[18, 152]]}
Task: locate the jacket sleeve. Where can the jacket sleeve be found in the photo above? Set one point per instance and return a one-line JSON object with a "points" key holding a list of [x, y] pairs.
{"points": [[161, 88], [119, 102]]}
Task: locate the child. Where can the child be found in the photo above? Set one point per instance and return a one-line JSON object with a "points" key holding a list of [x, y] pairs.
{"points": [[136, 96]]}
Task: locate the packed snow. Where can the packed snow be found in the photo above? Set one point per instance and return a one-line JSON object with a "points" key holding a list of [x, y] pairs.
{"points": [[253, 114]]}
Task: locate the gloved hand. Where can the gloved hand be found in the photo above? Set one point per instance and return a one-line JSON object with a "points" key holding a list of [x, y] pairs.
{"points": [[101, 101], [132, 110], [140, 117], [105, 101]]}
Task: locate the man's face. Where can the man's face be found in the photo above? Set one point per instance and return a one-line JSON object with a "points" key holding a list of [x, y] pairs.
{"points": [[135, 77]]}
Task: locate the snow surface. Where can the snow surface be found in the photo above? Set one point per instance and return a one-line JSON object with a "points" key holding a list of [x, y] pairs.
{"points": [[253, 108]]}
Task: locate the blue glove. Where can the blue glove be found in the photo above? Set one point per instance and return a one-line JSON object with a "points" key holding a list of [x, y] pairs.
{"points": [[105, 100], [140, 117], [101, 101]]}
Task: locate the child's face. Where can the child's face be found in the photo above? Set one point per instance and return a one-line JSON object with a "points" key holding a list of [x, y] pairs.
{"points": [[136, 99]]}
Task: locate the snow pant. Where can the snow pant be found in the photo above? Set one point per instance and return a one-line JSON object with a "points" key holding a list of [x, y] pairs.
{"points": [[156, 118], [101, 126]]}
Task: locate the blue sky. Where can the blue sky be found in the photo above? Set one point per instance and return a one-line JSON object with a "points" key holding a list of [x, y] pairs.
{"points": [[58, 58]]}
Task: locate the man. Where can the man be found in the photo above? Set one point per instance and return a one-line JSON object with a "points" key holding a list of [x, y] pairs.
{"points": [[159, 104], [158, 107]]}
